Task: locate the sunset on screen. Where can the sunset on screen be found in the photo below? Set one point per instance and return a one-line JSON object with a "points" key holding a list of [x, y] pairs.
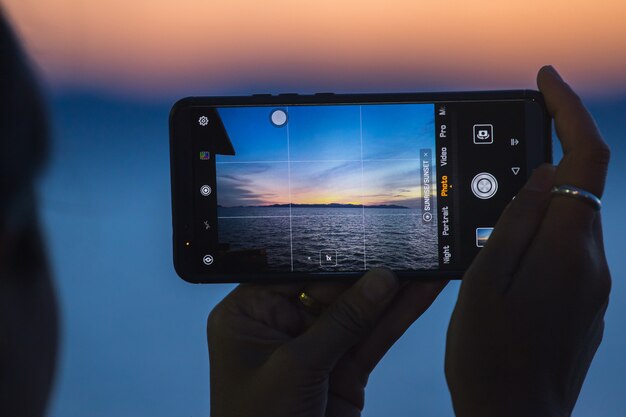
{"points": [[237, 47], [348, 154]]}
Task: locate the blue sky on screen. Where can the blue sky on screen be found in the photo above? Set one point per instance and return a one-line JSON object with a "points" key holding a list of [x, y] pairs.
{"points": [[325, 145], [254, 137], [397, 131]]}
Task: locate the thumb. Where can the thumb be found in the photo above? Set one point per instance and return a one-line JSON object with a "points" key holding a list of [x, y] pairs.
{"points": [[345, 322], [515, 229]]}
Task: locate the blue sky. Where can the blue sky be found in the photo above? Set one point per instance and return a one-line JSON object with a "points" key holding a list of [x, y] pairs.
{"points": [[325, 145]]}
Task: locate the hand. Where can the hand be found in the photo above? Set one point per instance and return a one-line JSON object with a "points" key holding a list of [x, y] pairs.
{"points": [[530, 312], [269, 356]]}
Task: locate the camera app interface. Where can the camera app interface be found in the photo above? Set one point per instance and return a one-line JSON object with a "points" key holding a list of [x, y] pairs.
{"points": [[326, 188]]}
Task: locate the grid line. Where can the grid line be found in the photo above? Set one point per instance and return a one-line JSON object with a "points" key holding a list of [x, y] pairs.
{"points": [[317, 161], [362, 188], [289, 176], [316, 215]]}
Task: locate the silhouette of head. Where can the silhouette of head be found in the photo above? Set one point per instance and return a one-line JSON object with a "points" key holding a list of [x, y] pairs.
{"points": [[28, 316]]}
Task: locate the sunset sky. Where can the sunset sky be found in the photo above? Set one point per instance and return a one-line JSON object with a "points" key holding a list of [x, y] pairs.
{"points": [[133, 339], [325, 154], [168, 49]]}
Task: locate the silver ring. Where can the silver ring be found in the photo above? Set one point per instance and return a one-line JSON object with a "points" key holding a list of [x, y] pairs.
{"points": [[571, 191]]}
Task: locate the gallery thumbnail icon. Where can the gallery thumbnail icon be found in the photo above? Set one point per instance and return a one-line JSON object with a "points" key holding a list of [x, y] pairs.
{"points": [[482, 235]]}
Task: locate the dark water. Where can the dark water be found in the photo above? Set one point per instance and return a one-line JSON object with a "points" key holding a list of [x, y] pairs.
{"points": [[354, 238]]}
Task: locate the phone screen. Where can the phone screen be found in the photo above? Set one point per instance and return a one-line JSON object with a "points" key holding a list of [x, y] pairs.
{"points": [[342, 188]]}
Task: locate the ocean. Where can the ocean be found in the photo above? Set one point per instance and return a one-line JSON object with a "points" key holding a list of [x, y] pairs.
{"points": [[332, 239]]}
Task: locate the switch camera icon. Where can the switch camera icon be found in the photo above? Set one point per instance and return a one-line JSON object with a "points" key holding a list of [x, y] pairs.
{"points": [[483, 134]]}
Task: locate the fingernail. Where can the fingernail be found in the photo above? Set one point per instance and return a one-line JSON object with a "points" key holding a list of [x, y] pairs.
{"points": [[554, 72], [542, 178], [379, 284]]}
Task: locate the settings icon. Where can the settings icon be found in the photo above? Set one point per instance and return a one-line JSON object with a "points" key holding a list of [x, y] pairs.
{"points": [[203, 121]]}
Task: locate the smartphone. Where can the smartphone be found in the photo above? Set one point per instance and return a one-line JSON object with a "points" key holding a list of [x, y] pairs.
{"points": [[291, 187]]}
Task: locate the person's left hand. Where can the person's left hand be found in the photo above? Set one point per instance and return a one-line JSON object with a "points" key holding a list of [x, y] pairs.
{"points": [[271, 356]]}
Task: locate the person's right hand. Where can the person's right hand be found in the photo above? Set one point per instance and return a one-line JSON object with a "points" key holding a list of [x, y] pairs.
{"points": [[530, 312]]}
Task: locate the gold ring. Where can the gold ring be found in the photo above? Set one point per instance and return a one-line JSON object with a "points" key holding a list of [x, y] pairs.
{"points": [[310, 303]]}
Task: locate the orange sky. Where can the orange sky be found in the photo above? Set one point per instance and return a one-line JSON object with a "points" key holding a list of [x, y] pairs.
{"points": [[181, 47]]}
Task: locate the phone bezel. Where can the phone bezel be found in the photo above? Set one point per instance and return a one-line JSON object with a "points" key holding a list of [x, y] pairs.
{"points": [[538, 150]]}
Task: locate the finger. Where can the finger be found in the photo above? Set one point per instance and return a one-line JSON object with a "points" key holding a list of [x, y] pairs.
{"points": [[265, 302], [339, 406], [413, 300], [585, 154], [326, 292], [345, 322], [318, 296], [273, 309], [586, 356], [514, 232], [346, 388]]}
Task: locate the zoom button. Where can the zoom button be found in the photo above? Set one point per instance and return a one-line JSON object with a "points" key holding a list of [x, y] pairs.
{"points": [[484, 185]]}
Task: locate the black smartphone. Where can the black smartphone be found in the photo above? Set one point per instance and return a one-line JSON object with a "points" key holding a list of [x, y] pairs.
{"points": [[293, 187]]}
